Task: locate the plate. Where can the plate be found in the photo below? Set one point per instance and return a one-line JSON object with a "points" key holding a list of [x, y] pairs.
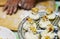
{"points": [[5, 33], [21, 31]]}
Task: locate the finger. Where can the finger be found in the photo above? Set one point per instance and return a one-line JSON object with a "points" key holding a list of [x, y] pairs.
{"points": [[15, 9], [8, 10], [28, 7], [25, 6], [11, 10], [5, 7], [23, 3]]}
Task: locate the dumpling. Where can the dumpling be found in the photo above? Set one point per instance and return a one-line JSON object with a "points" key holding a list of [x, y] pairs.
{"points": [[34, 14], [51, 16], [43, 33], [33, 29], [29, 35], [58, 34], [50, 28], [44, 22], [49, 11], [52, 35], [41, 7], [26, 25], [59, 23], [29, 24], [48, 36]]}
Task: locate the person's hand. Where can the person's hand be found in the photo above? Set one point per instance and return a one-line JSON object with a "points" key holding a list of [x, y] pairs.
{"points": [[27, 4], [11, 6]]}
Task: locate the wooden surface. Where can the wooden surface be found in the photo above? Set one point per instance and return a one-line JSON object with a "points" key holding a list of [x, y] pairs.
{"points": [[13, 21], [2, 2]]}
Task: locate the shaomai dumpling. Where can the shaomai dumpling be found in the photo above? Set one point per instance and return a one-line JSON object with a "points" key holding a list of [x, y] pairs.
{"points": [[34, 14], [29, 25], [48, 36], [29, 35], [58, 34], [44, 22], [50, 14], [50, 28], [59, 23]]}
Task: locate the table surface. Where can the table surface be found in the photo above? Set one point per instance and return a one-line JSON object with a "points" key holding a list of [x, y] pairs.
{"points": [[57, 4]]}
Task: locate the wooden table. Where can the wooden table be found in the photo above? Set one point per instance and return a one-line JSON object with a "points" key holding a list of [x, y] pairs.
{"points": [[12, 21]]}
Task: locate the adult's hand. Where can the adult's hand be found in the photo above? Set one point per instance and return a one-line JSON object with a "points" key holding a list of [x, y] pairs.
{"points": [[11, 6], [27, 4]]}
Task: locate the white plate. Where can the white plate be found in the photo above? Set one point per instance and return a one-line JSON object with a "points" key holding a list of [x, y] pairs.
{"points": [[5, 33]]}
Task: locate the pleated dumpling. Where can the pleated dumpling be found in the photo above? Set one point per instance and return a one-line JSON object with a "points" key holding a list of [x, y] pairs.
{"points": [[44, 22], [34, 14], [48, 36], [59, 23], [29, 35], [30, 25], [50, 14], [58, 34]]}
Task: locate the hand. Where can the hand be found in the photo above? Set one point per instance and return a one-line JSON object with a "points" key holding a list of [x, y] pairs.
{"points": [[11, 6], [27, 4]]}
